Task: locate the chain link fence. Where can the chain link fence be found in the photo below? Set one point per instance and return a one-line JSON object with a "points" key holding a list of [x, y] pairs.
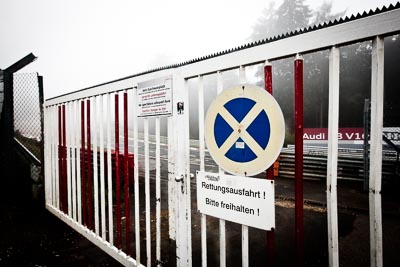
{"points": [[27, 112]]}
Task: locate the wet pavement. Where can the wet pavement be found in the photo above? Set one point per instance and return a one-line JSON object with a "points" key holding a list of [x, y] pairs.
{"points": [[31, 236]]}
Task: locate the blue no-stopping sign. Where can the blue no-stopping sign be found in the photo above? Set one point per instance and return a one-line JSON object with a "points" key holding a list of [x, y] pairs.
{"points": [[244, 130]]}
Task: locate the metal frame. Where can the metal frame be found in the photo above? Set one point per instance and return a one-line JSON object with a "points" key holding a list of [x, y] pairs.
{"points": [[372, 27]]}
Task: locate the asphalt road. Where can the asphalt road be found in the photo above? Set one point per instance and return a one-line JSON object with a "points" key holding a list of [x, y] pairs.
{"points": [[31, 236]]}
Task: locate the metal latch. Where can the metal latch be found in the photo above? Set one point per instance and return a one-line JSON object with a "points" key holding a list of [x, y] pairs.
{"points": [[181, 179]]}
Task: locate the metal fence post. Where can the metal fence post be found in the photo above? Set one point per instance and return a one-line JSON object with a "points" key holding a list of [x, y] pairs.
{"points": [[332, 161], [375, 179], [367, 118], [8, 113], [299, 212], [270, 171], [41, 101], [180, 122]]}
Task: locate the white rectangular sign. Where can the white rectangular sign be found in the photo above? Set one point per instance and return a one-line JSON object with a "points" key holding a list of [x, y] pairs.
{"points": [[244, 200], [154, 98]]}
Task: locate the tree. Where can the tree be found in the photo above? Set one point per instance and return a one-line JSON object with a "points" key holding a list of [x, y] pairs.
{"points": [[266, 24], [293, 15], [324, 13], [290, 16]]}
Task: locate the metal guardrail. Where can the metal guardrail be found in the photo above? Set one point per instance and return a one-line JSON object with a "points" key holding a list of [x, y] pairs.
{"points": [[350, 163]]}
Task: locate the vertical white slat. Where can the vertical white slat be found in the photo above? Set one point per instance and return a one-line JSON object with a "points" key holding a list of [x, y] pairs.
{"points": [[95, 165], [67, 145], [147, 190], [172, 185], [102, 169], [331, 182], [201, 123], [181, 171], [57, 178], [171, 182], [78, 160], [109, 171], [188, 197], [52, 156], [49, 155], [46, 157], [68, 150], [55, 154], [73, 157], [136, 175], [245, 229], [56, 159], [222, 229], [375, 173], [52, 129], [245, 245], [47, 152], [202, 167], [158, 193]]}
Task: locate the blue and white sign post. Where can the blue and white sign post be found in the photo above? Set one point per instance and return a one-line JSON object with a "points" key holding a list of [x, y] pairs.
{"points": [[244, 130]]}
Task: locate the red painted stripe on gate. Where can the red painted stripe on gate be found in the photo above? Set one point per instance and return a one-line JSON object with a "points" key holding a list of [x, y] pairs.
{"points": [[126, 176], [60, 161], [89, 167], [270, 175], [83, 172], [64, 150], [117, 170], [298, 117]]}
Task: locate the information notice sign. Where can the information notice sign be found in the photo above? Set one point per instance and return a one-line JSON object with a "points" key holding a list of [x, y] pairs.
{"points": [[244, 200], [154, 97]]}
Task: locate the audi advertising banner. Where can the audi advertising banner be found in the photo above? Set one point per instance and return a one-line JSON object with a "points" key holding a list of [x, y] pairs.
{"points": [[347, 135]]}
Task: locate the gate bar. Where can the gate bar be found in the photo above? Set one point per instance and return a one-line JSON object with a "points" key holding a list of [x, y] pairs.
{"points": [[136, 176], [147, 189], [64, 158], [375, 174], [126, 174], [60, 162], [54, 161], [298, 114], [63, 161], [188, 178], [72, 136], [102, 170], [222, 229], [89, 166], [47, 153], [158, 193], [68, 148], [331, 181], [78, 160], [109, 173], [245, 228], [270, 170], [83, 167], [202, 168], [95, 167], [117, 178]]}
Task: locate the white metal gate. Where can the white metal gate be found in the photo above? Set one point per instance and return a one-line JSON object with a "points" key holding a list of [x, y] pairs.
{"points": [[102, 186]]}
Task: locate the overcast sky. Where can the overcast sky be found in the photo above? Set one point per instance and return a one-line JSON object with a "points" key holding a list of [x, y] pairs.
{"points": [[80, 43]]}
